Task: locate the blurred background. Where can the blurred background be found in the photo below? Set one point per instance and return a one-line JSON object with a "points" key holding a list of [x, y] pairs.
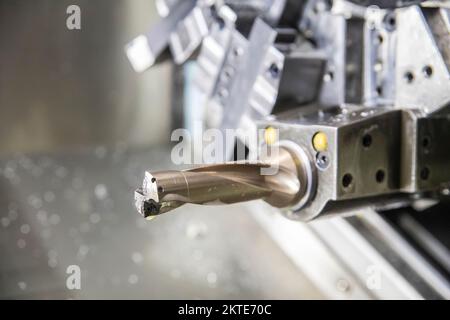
{"points": [[61, 89], [78, 128]]}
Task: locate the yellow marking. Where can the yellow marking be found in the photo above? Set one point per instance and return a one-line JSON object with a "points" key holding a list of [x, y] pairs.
{"points": [[271, 135], [320, 142]]}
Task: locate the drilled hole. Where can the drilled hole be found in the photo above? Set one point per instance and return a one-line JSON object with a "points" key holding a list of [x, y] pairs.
{"points": [[379, 90], [409, 77], [329, 76], [347, 180], [425, 142], [379, 176], [153, 180], [391, 22], [274, 70], [380, 39], [367, 140], [427, 71]]}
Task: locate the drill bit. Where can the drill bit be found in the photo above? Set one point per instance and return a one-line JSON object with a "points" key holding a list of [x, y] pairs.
{"points": [[222, 184]]}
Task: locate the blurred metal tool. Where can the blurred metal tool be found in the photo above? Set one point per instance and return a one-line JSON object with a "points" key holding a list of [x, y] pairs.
{"points": [[181, 30], [228, 183]]}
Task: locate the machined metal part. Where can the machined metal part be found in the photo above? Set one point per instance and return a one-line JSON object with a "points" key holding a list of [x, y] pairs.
{"points": [[387, 3], [425, 166], [371, 76], [375, 156], [380, 41], [190, 33], [253, 89], [239, 77], [283, 179], [327, 31], [145, 50], [423, 78], [217, 47], [165, 6], [293, 90], [182, 29]]}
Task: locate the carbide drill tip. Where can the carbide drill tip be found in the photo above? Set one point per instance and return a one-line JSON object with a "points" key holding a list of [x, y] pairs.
{"points": [[147, 198]]}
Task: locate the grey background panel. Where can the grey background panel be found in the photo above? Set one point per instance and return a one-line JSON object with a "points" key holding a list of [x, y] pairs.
{"points": [[61, 89]]}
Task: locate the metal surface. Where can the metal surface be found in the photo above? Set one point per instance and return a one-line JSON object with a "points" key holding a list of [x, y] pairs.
{"points": [[238, 78], [361, 257], [435, 248], [380, 37], [74, 209], [423, 79], [426, 160], [387, 3], [340, 259], [146, 49], [254, 88], [190, 33], [406, 252]]}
